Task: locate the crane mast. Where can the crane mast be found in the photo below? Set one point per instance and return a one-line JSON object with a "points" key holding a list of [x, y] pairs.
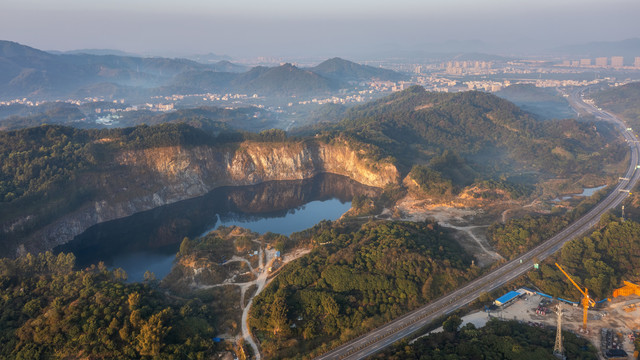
{"points": [[586, 300]]}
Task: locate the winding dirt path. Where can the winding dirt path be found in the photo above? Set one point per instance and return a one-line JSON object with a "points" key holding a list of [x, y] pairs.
{"points": [[480, 241], [266, 259], [236, 258]]}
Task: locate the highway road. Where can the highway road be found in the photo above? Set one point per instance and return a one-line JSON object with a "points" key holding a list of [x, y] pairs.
{"points": [[407, 324]]}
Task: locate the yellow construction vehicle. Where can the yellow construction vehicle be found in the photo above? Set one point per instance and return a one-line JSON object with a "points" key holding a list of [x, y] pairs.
{"points": [[627, 289], [586, 300]]}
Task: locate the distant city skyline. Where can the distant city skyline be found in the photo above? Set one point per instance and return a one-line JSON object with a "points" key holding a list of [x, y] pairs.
{"points": [[287, 28]]}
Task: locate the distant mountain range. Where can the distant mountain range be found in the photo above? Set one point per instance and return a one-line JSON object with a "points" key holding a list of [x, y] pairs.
{"points": [[25, 71], [282, 80], [29, 72], [209, 58], [286, 79], [343, 70], [94, 52]]}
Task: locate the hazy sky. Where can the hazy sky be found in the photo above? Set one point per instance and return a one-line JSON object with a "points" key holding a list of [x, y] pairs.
{"points": [[243, 28]]}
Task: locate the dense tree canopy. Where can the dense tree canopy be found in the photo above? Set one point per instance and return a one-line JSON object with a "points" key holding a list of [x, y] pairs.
{"points": [[357, 278], [415, 124], [34, 159], [599, 262], [48, 310], [496, 340], [623, 100], [521, 234]]}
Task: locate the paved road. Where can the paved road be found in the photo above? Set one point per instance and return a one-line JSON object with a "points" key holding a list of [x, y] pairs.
{"points": [[403, 326]]}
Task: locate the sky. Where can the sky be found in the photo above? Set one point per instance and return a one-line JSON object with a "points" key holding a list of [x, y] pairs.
{"points": [[313, 28]]}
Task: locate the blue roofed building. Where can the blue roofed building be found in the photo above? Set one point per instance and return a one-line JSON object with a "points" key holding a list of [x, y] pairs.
{"points": [[507, 298]]}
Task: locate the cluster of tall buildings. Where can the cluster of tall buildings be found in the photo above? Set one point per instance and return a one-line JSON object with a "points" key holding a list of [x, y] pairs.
{"points": [[615, 62], [467, 67]]}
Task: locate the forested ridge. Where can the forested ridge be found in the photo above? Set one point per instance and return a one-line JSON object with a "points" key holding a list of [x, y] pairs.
{"points": [[40, 159], [545, 103], [415, 125], [356, 278], [496, 340], [599, 262], [518, 235], [623, 100], [37, 158], [49, 310]]}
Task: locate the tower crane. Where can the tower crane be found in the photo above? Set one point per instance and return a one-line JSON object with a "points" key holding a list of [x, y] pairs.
{"points": [[628, 289], [586, 300]]}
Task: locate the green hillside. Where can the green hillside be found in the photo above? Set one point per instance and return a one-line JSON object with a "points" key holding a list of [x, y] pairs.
{"points": [[276, 81], [359, 278], [509, 340], [414, 126], [623, 100], [545, 103], [344, 70], [48, 310], [286, 80]]}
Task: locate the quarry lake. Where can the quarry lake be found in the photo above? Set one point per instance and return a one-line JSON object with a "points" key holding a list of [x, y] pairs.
{"points": [[149, 240]]}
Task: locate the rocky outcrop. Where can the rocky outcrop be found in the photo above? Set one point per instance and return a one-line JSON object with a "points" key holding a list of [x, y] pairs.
{"points": [[201, 168], [145, 179]]}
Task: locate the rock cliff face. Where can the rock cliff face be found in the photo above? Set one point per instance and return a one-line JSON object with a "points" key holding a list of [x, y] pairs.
{"points": [[251, 163], [145, 179]]}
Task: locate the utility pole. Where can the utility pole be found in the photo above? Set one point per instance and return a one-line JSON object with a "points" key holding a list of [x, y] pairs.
{"points": [[558, 350]]}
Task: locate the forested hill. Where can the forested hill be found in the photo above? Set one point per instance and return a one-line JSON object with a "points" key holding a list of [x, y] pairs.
{"points": [[276, 81], [415, 125], [25, 71], [36, 160], [466, 121], [50, 311], [361, 276], [545, 103], [623, 100], [344, 70]]}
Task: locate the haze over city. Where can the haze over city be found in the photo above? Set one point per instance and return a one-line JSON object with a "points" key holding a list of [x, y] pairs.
{"points": [[315, 28]]}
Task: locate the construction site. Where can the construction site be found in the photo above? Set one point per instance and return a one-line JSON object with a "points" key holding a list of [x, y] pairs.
{"points": [[611, 324]]}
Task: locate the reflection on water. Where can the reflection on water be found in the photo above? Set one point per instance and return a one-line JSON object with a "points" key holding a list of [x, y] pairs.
{"points": [[150, 239], [294, 220], [137, 263]]}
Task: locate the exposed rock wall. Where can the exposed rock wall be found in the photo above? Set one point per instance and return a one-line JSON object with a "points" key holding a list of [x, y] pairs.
{"points": [[251, 163], [145, 179]]}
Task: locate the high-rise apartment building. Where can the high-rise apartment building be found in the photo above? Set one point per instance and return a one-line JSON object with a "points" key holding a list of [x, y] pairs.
{"points": [[601, 61], [617, 61]]}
